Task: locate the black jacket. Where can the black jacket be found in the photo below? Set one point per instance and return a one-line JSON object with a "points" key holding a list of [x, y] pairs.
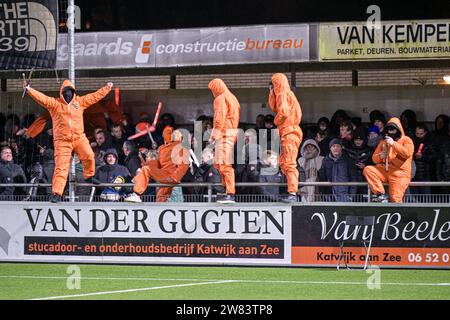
{"points": [[443, 162], [338, 170], [361, 154], [132, 163], [11, 173], [425, 165]]}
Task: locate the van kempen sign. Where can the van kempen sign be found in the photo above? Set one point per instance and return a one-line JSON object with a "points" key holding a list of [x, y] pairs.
{"points": [[392, 40], [188, 47]]}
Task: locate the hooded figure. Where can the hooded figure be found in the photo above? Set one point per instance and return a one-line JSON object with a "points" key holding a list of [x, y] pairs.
{"points": [[169, 168], [392, 158], [224, 134], [284, 103], [68, 131], [311, 162]]}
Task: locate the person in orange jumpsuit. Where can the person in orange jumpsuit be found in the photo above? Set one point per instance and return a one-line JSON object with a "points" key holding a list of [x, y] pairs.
{"points": [[169, 168], [284, 103], [68, 130], [392, 158], [94, 118], [224, 134]]}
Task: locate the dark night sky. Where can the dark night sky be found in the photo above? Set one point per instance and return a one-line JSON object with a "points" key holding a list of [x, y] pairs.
{"points": [[165, 14]]}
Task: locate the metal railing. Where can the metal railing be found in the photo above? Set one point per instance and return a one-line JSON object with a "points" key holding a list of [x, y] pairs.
{"points": [[209, 196]]}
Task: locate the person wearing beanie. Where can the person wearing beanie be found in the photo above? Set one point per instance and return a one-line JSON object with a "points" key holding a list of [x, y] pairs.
{"points": [[337, 167], [373, 137]]}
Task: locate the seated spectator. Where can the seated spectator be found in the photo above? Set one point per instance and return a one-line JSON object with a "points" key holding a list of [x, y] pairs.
{"points": [[311, 162], [337, 167], [10, 173], [361, 156], [373, 137], [112, 172], [131, 161], [424, 159]]}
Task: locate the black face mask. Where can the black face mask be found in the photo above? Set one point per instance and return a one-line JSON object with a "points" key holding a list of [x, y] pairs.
{"points": [[68, 94], [394, 136]]}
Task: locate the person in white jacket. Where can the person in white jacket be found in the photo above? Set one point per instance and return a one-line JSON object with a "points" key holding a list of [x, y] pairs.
{"points": [[311, 162]]}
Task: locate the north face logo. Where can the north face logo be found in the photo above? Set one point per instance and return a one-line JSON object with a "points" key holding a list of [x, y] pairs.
{"points": [[27, 26]]}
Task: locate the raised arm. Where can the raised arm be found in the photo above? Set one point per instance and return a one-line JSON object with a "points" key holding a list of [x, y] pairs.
{"points": [[92, 98], [38, 125], [48, 103]]}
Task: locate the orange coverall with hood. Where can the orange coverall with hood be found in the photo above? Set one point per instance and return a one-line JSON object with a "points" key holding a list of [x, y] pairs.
{"points": [[68, 131], [226, 120], [94, 117], [284, 103], [170, 167], [400, 156]]}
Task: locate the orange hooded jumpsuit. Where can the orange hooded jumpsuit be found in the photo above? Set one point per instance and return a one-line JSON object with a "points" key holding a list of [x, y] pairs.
{"points": [[170, 167], [399, 165], [226, 120], [94, 117], [284, 103], [68, 131]]}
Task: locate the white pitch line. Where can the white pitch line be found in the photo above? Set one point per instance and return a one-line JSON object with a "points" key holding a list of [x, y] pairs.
{"points": [[132, 290], [234, 280]]}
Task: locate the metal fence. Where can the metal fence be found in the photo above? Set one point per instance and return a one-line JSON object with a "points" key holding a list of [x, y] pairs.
{"points": [[88, 194]]}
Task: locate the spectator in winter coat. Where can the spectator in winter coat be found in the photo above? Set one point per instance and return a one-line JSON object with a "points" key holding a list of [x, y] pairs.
{"points": [[361, 156], [337, 167], [443, 164], [268, 171], [131, 161], [441, 128], [311, 162], [323, 140], [408, 120], [377, 119], [10, 173], [424, 158], [373, 137], [112, 172]]}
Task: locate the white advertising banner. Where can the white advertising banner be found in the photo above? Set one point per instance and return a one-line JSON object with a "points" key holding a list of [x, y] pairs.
{"points": [[188, 47], [390, 40], [146, 233]]}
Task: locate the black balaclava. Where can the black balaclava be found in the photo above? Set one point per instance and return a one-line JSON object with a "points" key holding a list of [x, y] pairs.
{"points": [[68, 94], [396, 136]]}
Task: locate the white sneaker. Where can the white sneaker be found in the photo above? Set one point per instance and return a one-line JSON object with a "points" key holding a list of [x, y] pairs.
{"points": [[133, 198]]}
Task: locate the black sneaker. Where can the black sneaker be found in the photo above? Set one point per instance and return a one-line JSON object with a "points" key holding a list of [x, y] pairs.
{"points": [[227, 199], [292, 197], [55, 198]]}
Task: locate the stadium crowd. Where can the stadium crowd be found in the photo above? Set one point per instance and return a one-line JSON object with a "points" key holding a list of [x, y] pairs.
{"points": [[333, 150]]}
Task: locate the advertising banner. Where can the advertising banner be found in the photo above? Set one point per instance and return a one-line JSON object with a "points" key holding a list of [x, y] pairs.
{"points": [[28, 34], [416, 236], [188, 47], [391, 40], [148, 233]]}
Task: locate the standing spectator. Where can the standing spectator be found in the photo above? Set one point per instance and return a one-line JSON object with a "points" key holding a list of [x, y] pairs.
{"points": [[424, 158], [337, 167], [443, 164], [260, 122], [346, 134], [441, 127], [268, 171], [10, 173], [100, 140], [338, 117], [323, 124], [112, 172], [408, 120], [323, 140], [117, 140], [373, 137], [311, 162], [131, 162], [377, 119], [361, 155], [395, 154]]}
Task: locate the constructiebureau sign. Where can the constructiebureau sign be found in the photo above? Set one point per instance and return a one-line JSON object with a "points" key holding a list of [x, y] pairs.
{"points": [[392, 40]]}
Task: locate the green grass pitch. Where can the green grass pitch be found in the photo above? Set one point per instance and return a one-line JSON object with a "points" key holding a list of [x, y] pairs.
{"points": [[58, 281]]}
